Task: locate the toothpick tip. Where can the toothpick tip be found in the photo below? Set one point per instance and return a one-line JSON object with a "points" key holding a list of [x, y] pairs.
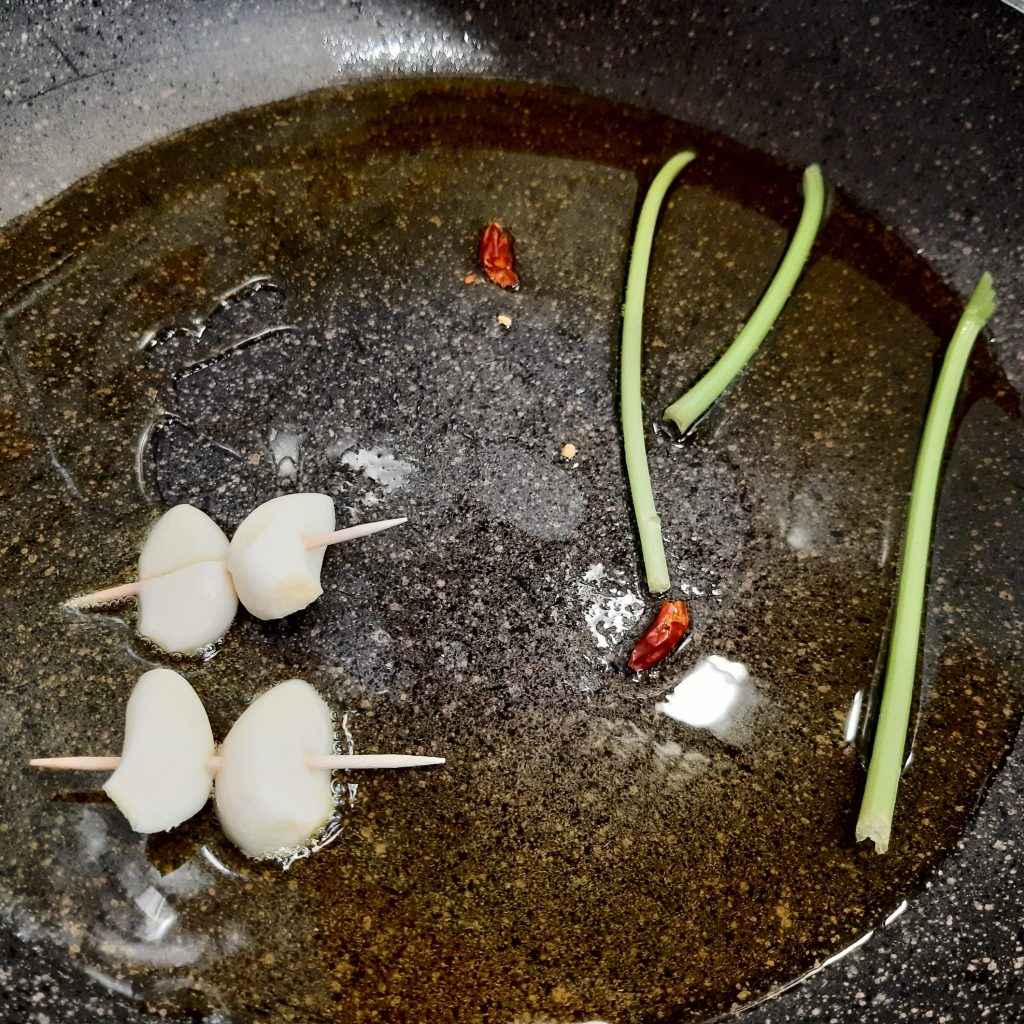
{"points": [[75, 764], [320, 540], [372, 762]]}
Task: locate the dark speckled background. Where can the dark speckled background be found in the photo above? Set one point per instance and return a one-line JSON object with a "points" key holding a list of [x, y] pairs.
{"points": [[915, 109]]}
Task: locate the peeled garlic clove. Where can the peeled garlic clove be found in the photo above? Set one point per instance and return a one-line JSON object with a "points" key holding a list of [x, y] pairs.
{"points": [[186, 597], [274, 573], [163, 777], [268, 799], [188, 609], [181, 536]]}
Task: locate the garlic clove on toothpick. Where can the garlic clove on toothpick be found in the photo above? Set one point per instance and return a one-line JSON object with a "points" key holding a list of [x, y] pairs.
{"points": [[269, 798], [274, 571], [187, 599], [182, 536], [164, 774], [187, 609]]}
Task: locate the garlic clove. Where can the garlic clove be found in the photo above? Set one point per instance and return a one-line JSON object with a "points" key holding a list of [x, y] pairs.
{"points": [[164, 777], [186, 596], [269, 800], [274, 572], [181, 536], [188, 609]]}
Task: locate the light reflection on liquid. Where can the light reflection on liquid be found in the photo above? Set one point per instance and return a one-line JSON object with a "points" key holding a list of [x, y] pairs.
{"points": [[158, 915], [177, 954], [710, 695], [799, 537], [803, 521], [216, 863], [834, 959], [897, 913], [610, 606], [124, 988], [853, 717]]}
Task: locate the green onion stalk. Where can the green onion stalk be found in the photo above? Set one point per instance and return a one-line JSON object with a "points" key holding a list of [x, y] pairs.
{"points": [[879, 800], [648, 524], [687, 409]]}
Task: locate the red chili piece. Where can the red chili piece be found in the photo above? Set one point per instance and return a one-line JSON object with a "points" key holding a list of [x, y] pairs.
{"points": [[496, 257], [662, 638]]}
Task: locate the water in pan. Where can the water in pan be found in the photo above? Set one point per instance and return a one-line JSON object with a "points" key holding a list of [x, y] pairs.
{"points": [[277, 301]]}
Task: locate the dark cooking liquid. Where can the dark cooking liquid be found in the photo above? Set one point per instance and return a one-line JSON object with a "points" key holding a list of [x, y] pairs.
{"points": [[596, 847]]}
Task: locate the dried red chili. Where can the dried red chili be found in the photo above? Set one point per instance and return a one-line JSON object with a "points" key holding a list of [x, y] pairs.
{"points": [[663, 636], [496, 257]]}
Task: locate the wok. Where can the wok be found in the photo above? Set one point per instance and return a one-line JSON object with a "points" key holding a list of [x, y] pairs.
{"points": [[914, 108]]}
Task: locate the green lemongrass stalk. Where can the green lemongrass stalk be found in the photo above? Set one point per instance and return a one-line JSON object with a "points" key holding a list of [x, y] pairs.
{"points": [[649, 525], [879, 800], [687, 409]]}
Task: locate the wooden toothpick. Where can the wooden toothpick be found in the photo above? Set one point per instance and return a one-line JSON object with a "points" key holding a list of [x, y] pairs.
{"points": [[327, 762], [118, 593], [76, 764], [320, 540]]}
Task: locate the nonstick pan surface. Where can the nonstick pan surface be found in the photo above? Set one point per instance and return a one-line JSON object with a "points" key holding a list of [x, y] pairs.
{"points": [[913, 111]]}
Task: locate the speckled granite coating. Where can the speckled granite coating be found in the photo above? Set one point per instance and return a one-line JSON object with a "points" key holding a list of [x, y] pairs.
{"points": [[893, 118]]}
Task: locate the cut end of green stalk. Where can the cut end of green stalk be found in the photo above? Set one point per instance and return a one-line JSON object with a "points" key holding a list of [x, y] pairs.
{"points": [[659, 582], [653, 549], [683, 413], [875, 828]]}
